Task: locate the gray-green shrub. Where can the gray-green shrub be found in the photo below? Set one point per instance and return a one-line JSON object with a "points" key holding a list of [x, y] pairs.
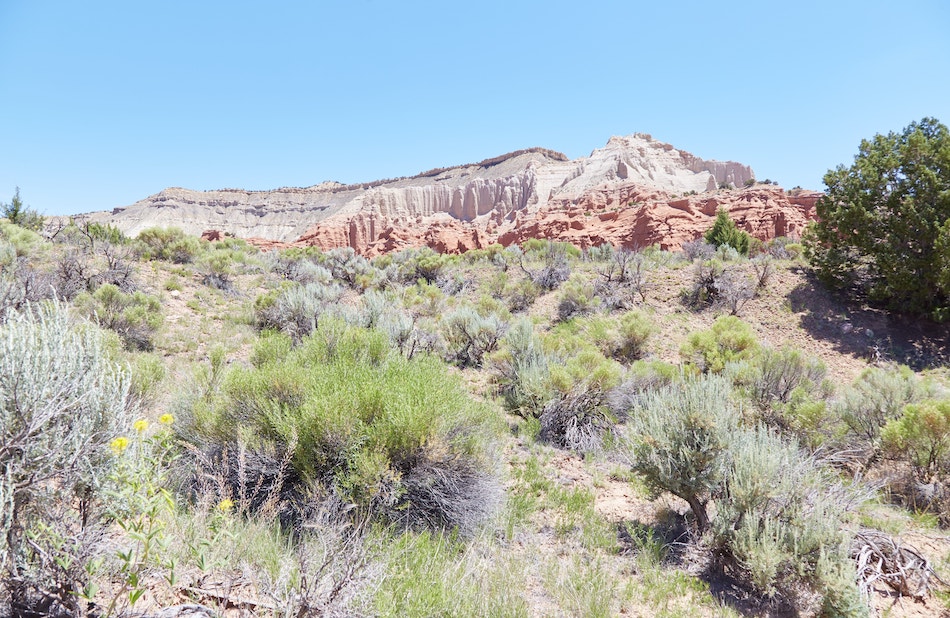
{"points": [[521, 371], [877, 396], [679, 437], [777, 372], [469, 336], [780, 515], [62, 401], [296, 309]]}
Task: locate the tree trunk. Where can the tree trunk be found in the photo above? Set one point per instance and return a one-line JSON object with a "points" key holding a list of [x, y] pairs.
{"points": [[699, 511]]}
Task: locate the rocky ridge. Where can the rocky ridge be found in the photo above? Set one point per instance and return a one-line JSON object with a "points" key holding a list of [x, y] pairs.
{"points": [[635, 191]]}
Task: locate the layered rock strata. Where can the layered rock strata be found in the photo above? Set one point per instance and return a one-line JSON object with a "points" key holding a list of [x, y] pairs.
{"points": [[635, 191]]}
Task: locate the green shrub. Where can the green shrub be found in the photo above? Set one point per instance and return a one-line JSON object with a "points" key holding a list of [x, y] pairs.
{"points": [[521, 294], [61, 403], [578, 417], [881, 222], [730, 339], [168, 244], [19, 214], [725, 232], [424, 299], [577, 297], [24, 241], [877, 396], [794, 250], [147, 373], [218, 267], [624, 340], [400, 438], [921, 434], [635, 329], [107, 233], [135, 317]]}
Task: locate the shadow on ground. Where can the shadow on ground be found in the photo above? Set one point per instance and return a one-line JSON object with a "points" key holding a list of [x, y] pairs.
{"points": [[670, 544], [867, 332]]}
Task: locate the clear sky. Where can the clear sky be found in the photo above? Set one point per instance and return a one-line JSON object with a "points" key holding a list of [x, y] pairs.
{"points": [[104, 103]]}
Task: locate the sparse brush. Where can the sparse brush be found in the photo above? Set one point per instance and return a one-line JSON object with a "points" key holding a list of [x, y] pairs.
{"points": [[764, 268], [579, 420], [733, 290], [698, 249], [470, 336], [556, 269], [776, 373]]}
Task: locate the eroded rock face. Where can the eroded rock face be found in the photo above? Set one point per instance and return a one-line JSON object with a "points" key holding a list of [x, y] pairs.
{"points": [[635, 219], [634, 192]]}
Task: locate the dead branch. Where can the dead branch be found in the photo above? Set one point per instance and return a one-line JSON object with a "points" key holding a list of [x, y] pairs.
{"points": [[881, 558]]}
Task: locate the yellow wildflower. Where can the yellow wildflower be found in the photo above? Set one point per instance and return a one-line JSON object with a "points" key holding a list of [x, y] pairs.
{"points": [[166, 419], [226, 505], [119, 445], [140, 425]]}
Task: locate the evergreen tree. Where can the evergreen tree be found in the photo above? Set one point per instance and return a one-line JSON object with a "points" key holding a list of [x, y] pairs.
{"points": [[883, 222]]}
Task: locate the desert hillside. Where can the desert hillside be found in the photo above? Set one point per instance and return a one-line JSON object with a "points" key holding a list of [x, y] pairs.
{"points": [[314, 432]]}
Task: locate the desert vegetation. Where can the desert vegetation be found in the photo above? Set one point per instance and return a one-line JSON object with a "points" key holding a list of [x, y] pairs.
{"points": [[194, 426]]}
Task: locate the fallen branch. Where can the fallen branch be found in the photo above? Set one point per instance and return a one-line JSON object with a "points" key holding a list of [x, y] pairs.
{"points": [[882, 558]]}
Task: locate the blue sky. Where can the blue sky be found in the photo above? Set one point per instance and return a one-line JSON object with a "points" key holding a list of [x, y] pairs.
{"points": [[104, 103]]}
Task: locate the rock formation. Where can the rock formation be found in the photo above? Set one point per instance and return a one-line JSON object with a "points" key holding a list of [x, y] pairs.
{"points": [[635, 191]]}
